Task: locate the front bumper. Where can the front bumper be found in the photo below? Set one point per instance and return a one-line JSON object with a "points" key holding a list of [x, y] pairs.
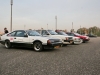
{"points": [[2, 42], [53, 45], [68, 42], [77, 42], [86, 39]]}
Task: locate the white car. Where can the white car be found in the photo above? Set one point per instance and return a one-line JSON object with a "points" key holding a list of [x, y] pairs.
{"points": [[29, 38], [50, 33], [76, 40]]}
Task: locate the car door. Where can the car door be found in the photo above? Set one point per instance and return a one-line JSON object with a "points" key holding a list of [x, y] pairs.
{"points": [[20, 39], [11, 36]]}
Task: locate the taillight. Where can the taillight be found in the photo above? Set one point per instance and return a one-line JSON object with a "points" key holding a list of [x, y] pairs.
{"points": [[48, 42]]}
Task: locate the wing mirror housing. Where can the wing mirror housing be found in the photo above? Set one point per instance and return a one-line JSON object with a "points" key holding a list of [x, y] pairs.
{"points": [[25, 35]]}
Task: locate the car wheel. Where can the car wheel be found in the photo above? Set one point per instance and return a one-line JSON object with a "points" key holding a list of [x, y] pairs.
{"points": [[7, 44], [72, 43], [64, 44], [37, 46], [84, 41]]}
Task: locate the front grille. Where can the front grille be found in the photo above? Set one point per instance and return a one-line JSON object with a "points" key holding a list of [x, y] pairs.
{"points": [[65, 40], [55, 40], [69, 38]]}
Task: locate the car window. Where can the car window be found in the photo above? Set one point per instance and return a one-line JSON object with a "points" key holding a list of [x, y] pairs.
{"points": [[12, 33], [63, 33], [20, 34], [77, 34], [52, 32], [39, 31], [70, 34], [44, 32], [33, 33]]}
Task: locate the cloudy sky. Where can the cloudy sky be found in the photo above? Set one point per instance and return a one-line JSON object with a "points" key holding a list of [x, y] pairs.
{"points": [[36, 14]]}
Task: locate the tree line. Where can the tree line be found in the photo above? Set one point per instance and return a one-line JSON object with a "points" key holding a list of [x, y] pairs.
{"points": [[92, 30]]}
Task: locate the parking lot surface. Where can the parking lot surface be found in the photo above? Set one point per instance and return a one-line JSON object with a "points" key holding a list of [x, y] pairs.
{"points": [[83, 59]]}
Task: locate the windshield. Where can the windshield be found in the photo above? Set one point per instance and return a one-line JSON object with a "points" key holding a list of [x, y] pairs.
{"points": [[63, 33], [52, 32], [76, 34], [33, 33]]}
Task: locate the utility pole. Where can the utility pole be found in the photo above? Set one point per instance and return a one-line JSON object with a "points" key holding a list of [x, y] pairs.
{"points": [[24, 27], [80, 29], [72, 25], [72, 30], [91, 31], [11, 16], [56, 22], [47, 26]]}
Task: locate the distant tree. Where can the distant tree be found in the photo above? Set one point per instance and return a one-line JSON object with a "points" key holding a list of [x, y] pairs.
{"points": [[92, 30]]}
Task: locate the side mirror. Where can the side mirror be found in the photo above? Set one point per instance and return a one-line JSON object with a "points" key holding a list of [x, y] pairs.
{"points": [[25, 35]]}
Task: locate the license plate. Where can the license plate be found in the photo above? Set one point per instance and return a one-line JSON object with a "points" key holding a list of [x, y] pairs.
{"points": [[71, 42], [56, 47]]}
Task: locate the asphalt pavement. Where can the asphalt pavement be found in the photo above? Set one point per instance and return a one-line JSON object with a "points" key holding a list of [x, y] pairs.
{"points": [[83, 59]]}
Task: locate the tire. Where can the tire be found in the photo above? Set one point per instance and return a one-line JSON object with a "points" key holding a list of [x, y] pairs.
{"points": [[64, 44], [84, 41], [7, 44], [37, 46], [72, 43]]}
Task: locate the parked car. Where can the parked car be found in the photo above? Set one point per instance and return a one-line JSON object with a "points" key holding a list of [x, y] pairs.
{"points": [[82, 37], [91, 35], [29, 38], [50, 33], [76, 40]]}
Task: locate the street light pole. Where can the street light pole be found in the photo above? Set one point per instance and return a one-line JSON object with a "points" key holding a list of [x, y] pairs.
{"points": [[24, 27], [56, 21], [11, 16], [47, 26], [72, 25]]}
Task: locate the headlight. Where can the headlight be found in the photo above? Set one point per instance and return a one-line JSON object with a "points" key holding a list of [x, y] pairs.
{"points": [[61, 40], [75, 38], [48, 42], [86, 37]]}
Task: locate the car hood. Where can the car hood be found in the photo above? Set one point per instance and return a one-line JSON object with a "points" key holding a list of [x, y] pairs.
{"points": [[82, 36], [58, 36], [50, 37]]}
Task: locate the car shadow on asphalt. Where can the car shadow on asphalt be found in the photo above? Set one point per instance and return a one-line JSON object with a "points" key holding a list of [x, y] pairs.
{"points": [[29, 49]]}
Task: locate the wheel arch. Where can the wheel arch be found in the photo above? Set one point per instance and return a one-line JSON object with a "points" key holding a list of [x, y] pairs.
{"points": [[37, 41], [41, 48], [7, 40]]}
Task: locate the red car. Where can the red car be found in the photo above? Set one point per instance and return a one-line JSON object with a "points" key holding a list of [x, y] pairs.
{"points": [[82, 37]]}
